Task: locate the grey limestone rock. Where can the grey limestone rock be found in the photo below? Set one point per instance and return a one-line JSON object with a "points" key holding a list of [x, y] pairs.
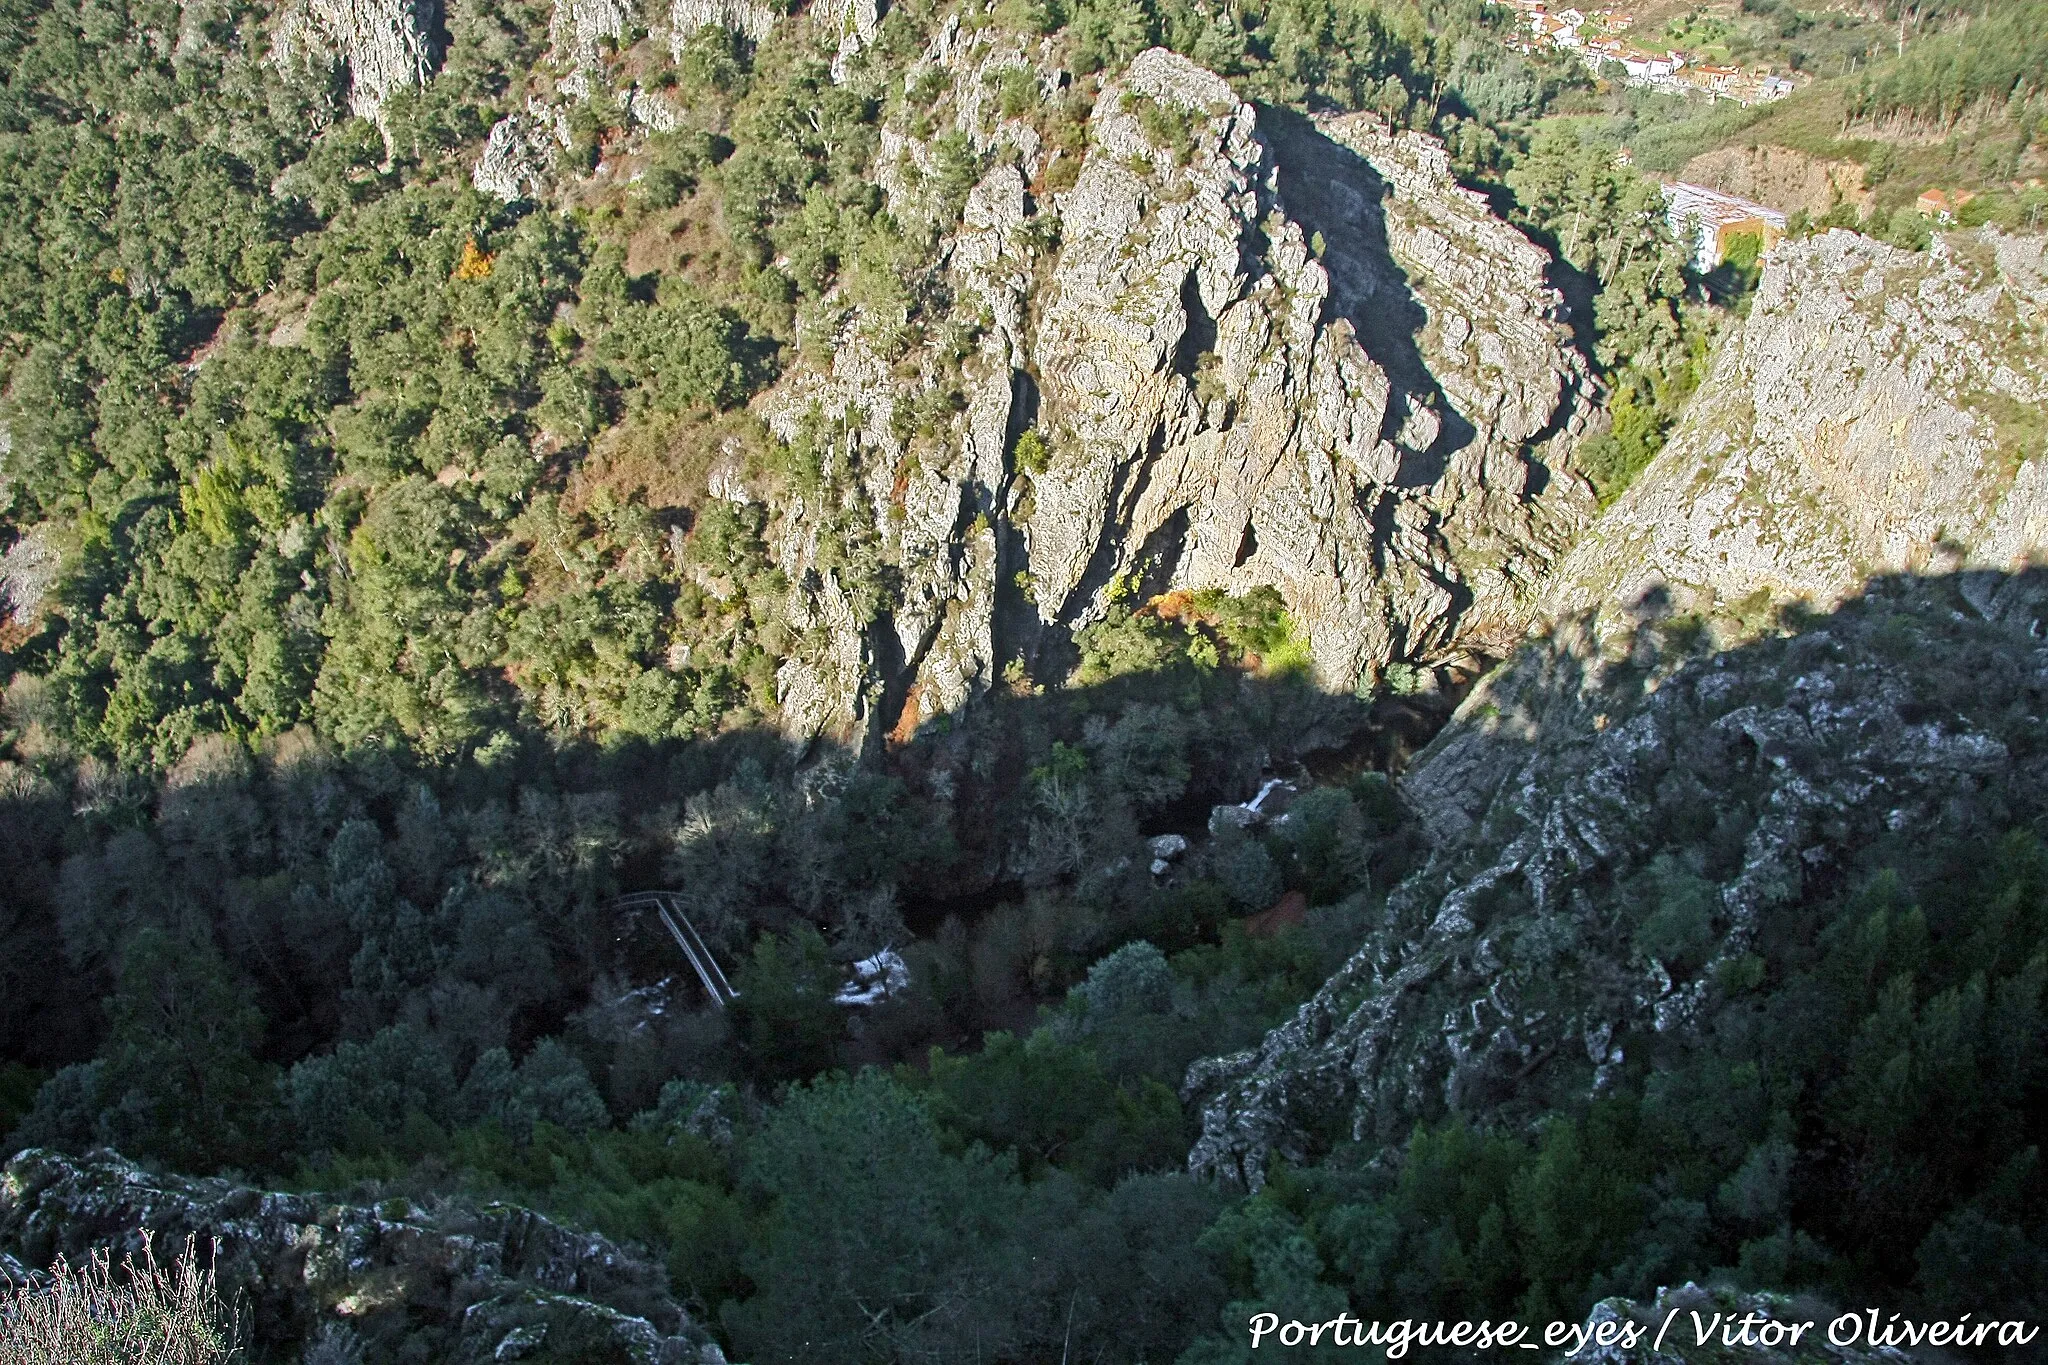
{"points": [[385, 45], [1370, 431], [853, 22], [1869, 422], [943, 528], [655, 110], [1246, 356], [577, 33], [748, 18], [479, 1278], [1873, 414], [516, 159], [28, 572]]}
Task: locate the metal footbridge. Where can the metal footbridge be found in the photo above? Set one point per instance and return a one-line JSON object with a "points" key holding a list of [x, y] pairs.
{"points": [[668, 905]]}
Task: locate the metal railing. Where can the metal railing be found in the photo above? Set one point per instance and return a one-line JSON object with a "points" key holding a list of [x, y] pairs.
{"points": [[668, 905]]}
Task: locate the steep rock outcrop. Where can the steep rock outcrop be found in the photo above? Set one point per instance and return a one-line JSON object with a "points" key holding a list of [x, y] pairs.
{"points": [[1340, 429], [577, 33], [1503, 979], [945, 527], [485, 1283], [517, 158], [384, 45], [1879, 410], [28, 572], [1875, 417], [853, 23], [749, 18], [1370, 432]]}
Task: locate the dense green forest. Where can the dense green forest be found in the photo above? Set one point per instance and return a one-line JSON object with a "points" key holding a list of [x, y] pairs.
{"points": [[321, 972], [368, 626]]}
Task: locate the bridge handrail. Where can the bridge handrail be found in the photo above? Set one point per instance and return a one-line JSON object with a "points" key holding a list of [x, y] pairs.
{"points": [[668, 905]]}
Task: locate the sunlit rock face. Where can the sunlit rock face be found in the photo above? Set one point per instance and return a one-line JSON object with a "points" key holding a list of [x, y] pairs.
{"points": [[383, 45], [1259, 350], [1878, 411], [1275, 343]]}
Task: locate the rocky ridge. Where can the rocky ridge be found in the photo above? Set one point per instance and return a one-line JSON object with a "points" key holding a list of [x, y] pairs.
{"points": [[1280, 406], [1879, 411], [1371, 432], [519, 157], [1874, 417], [1502, 981], [495, 1283]]}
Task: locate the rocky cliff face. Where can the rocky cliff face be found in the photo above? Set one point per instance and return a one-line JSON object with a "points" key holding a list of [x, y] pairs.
{"points": [[1225, 403], [1879, 410], [1875, 417], [1503, 980], [577, 33], [1262, 352], [383, 45], [496, 1283]]}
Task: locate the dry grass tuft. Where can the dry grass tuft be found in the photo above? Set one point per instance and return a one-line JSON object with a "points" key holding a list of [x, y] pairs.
{"points": [[148, 1315]]}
